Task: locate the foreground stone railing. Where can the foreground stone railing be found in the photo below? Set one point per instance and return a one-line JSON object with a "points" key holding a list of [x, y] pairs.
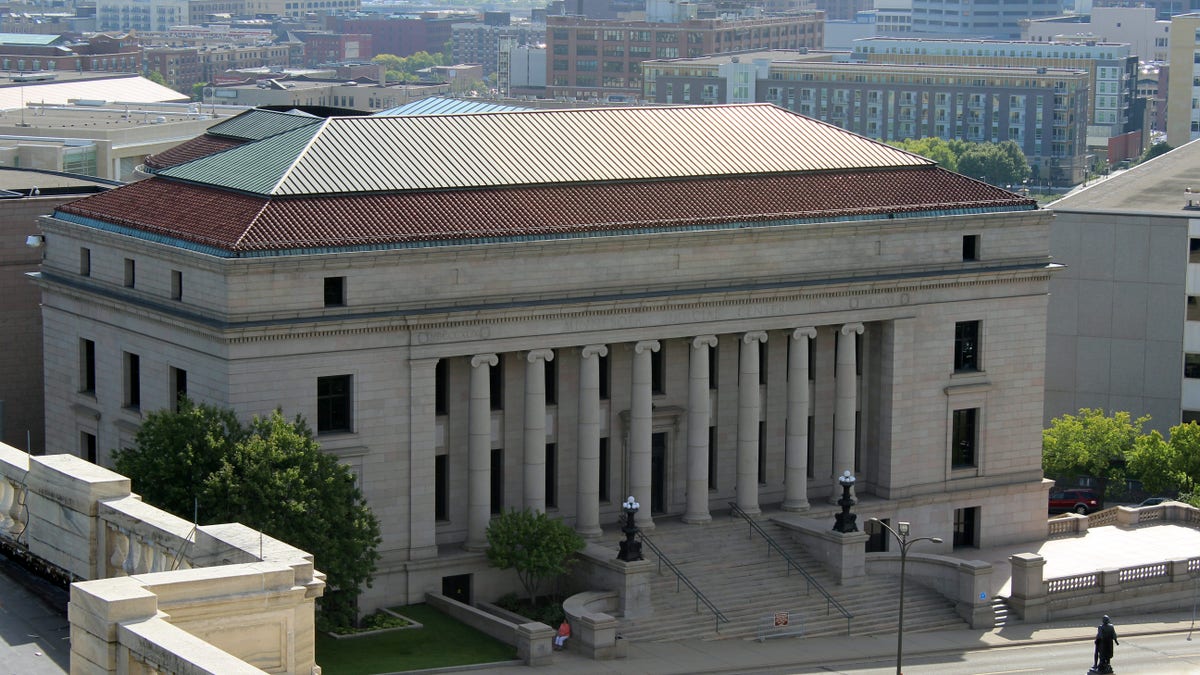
{"points": [[1166, 584], [152, 592]]}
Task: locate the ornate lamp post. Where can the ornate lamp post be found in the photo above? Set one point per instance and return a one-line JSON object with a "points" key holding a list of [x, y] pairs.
{"points": [[845, 521], [901, 535], [631, 549]]}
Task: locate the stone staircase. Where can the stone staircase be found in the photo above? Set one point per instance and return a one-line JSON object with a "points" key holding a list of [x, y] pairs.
{"points": [[749, 583]]}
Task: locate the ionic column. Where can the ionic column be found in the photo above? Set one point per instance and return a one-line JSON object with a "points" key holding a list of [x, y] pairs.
{"points": [[535, 428], [479, 452], [641, 430], [748, 417], [846, 388], [698, 423], [796, 448], [587, 508]]}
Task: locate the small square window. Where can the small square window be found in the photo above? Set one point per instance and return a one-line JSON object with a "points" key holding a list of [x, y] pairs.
{"points": [[333, 404], [970, 247], [176, 285], [85, 261], [130, 273], [335, 291]]}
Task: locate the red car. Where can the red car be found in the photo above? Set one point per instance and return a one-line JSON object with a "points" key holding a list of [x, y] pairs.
{"points": [[1079, 500]]}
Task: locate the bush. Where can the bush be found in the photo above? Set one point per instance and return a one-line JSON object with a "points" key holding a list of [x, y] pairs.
{"points": [[549, 612]]}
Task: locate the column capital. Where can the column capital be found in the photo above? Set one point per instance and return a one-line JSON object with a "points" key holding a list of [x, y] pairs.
{"points": [[806, 332], [535, 354], [754, 336], [704, 341], [594, 350], [484, 360], [646, 345], [848, 328]]}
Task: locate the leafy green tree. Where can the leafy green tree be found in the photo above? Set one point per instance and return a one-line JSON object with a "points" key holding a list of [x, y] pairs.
{"points": [[1090, 444], [269, 475], [535, 545], [1171, 464], [198, 91], [1160, 148], [933, 148], [996, 163]]}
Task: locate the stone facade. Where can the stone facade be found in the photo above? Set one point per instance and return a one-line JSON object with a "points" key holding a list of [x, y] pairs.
{"points": [[566, 374]]}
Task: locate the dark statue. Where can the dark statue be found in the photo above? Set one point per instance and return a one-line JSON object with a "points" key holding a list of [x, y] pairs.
{"points": [[1106, 637]]}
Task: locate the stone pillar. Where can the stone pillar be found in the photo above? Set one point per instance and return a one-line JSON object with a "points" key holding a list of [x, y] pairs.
{"points": [[535, 428], [846, 404], [749, 405], [422, 442], [698, 423], [587, 508], [479, 452], [641, 429], [796, 459], [1028, 596]]}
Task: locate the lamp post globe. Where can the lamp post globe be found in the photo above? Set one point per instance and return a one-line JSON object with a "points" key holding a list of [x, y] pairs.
{"points": [[845, 521]]}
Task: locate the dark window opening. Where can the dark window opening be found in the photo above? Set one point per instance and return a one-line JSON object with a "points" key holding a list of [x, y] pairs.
{"points": [[335, 291], [605, 378], [762, 453], [712, 458], [604, 471], [133, 380], [966, 346], [762, 363], [712, 368], [1191, 366], [87, 366], [496, 383], [497, 480], [87, 446], [657, 384], [85, 261], [441, 487], [333, 403], [176, 285], [130, 273], [551, 476], [551, 382], [964, 438], [441, 388], [178, 385], [970, 247]]}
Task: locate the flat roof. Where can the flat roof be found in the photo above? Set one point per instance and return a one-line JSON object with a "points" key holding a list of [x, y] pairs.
{"points": [[108, 116], [1157, 186]]}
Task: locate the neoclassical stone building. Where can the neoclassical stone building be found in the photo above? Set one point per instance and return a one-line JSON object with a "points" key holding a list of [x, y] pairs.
{"points": [[559, 309]]}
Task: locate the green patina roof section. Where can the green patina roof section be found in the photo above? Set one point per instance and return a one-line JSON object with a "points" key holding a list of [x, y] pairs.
{"points": [[375, 155], [28, 39], [256, 168], [255, 125]]}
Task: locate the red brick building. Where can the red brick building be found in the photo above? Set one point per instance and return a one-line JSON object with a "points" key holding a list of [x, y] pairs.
{"points": [[599, 58], [400, 36]]}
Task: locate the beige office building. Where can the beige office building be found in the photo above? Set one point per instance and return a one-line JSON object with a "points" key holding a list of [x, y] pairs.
{"points": [[560, 309]]}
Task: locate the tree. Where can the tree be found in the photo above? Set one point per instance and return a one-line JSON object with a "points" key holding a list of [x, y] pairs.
{"points": [[1168, 465], [269, 475], [933, 148], [198, 91], [156, 77], [1155, 150], [1090, 444], [533, 544], [995, 163]]}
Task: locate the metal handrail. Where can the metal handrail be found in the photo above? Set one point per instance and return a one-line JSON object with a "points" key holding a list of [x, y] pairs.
{"points": [[830, 601], [680, 577]]}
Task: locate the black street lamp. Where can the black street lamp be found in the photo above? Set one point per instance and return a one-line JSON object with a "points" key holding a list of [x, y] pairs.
{"points": [[845, 521], [631, 549], [901, 535]]}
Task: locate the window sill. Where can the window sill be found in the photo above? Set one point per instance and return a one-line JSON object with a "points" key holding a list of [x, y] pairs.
{"points": [[335, 434]]}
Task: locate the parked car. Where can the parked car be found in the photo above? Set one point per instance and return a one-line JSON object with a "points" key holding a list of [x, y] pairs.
{"points": [[1154, 501], [1079, 500]]}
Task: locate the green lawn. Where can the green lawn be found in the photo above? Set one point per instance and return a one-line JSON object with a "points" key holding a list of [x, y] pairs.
{"points": [[442, 642]]}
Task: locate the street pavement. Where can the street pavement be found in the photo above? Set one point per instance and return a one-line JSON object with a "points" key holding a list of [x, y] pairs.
{"points": [[34, 633]]}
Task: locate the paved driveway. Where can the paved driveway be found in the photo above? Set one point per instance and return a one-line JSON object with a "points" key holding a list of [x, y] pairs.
{"points": [[34, 633]]}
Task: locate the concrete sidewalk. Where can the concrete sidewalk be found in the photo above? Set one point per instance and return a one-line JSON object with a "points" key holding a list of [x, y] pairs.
{"points": [[740, 656]]}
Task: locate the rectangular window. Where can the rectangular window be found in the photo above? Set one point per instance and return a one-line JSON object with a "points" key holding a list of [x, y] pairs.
{"points": [[178, 386], [657, 384], [966, 346], [333, 404], [1191, 366], [441, 487], [964, 438], [762, 363], [87, 366], [551, 476], [130, 273], [551, 382], [440, 388], [811, 448], [605, 378], [712, 367], [496, 383], [712, 458], [604, 471], [85, 261], [970, 249], [176, 285], [133, 380], [497, 503], [335, 291], [87, 446]]}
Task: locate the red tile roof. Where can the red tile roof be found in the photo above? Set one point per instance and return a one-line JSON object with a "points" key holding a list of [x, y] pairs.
{"points": [[201, 146], [238, 222]]}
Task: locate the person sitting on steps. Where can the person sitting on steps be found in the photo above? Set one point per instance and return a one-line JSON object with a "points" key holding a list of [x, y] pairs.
{"points": [[564, 632]]}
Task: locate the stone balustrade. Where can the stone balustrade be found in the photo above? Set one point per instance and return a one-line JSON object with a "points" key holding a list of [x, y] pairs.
{"points": [[153, 592]]}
